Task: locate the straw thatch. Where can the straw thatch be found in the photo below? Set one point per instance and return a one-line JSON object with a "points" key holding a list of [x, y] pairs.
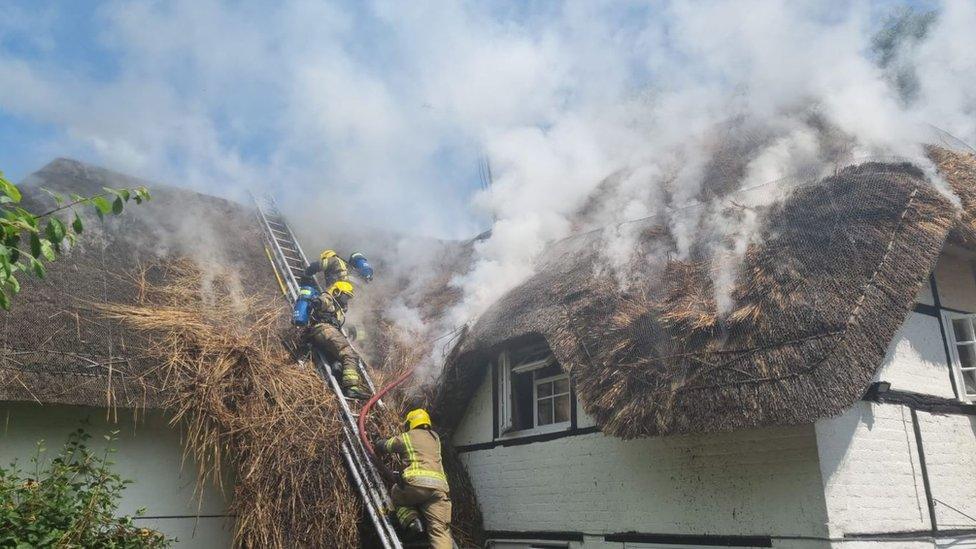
{"points": [[174, 306], [54, 346], [815, 302], [240, 397]]}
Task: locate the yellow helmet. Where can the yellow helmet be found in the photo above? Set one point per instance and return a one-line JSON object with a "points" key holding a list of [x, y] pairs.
{"points": [[327, 254], [416, 418], [341, 286]]}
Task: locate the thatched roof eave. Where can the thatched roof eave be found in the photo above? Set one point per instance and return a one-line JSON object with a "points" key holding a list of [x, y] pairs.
{"points": [[816, 306]]}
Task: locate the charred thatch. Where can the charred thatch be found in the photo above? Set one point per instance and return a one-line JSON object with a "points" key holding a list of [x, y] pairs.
{"points": [[815, 301], [247, 408]]}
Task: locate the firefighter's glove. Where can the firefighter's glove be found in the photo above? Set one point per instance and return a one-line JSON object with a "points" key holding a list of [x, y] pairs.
{"points": [[379, 445]]}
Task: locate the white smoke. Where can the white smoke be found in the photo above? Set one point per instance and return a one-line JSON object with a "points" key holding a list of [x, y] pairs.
{"points": [[374, 114]]}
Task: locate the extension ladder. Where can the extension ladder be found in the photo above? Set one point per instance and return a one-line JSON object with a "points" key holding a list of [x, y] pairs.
{"points": [[289, 262]]}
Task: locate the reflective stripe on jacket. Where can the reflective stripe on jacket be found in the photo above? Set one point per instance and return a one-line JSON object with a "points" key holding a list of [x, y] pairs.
{"points": [[421, 449], [336, 274]]}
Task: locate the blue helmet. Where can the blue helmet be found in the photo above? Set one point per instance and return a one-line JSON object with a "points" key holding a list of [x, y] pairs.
{"points": [[361, 265]]}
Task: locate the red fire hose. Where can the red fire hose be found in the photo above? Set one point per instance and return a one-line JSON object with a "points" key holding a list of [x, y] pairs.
{"points": [[364, 412]]}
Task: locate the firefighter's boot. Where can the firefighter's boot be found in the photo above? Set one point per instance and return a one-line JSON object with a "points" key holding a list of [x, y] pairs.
{"points": [[409, 520], [351, 385]]}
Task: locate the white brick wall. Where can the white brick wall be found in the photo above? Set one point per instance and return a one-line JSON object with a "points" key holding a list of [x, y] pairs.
{"points": [[950, 456], [870, 470], [916, 359], [752, 482]]}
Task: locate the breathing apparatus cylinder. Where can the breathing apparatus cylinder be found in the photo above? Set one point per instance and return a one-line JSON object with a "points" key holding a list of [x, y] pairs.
{"points": [[361, 265], [302, 312]]}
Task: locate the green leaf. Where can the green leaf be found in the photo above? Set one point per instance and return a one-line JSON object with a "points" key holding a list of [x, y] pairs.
{"points": [[13, 283], [9, 189], [38, 267], [117, 206], [22, 216], [55, 230], [77, 224], [47, 250], [4, 300], [5, 261], [102, 206]]}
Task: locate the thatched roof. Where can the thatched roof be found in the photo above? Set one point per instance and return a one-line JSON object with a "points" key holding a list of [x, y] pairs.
{"points": [[55, 347], [814, 306]]}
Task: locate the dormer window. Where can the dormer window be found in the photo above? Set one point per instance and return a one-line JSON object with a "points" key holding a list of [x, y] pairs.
{"points": [[963, 335], [534, 394]]}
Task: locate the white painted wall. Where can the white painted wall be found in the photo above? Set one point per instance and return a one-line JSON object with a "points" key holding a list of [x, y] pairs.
{"points": [[752, 482], [956, 281], [871, 472], [916, 359], [950, 455], [476, 425], [149, 453]]}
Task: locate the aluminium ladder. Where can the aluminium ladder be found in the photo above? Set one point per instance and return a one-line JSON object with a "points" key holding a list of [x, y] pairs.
{"points": [[289, 262]]}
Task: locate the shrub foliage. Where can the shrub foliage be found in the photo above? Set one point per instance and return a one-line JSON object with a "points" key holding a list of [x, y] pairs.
{"points": [[69, 502]]}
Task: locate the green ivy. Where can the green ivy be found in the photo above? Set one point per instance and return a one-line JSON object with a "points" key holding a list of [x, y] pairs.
{"points": [[70, 502], [28, 239]]}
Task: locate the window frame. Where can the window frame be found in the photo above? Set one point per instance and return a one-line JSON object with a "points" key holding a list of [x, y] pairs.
{"points": [[552, 398], [505, 373], [948, 317]]}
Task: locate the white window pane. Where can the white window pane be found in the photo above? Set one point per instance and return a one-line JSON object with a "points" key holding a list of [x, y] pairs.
{"points": [[962, 329], [969, 378], [967, 355], [545, 389], [562, 408], [561, 386], [544, 408]]}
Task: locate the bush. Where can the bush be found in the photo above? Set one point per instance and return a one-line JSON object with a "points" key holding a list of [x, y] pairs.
{"points": [[69, 503]]}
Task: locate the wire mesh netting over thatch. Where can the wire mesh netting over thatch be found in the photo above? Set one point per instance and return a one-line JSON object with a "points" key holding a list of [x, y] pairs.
{"points": [[237, 395], [811, 304]]}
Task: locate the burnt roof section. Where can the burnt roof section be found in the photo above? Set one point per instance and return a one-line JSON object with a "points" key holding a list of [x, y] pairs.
{"points": [[814, 306]]}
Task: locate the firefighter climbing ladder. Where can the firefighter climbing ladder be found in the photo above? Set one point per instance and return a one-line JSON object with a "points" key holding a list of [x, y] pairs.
{"points": [[289, 262]]}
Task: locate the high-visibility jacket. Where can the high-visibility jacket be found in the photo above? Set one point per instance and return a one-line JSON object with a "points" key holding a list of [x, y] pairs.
{"points": [[335, 271], [421, 450]]}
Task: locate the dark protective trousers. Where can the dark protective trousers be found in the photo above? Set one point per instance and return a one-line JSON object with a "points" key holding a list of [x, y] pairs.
{"points": [[329, 339], [436, 507]]}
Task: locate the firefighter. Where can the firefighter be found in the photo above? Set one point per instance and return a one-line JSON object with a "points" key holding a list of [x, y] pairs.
{"points": [[335, 270], [329, 311], [422, 484], [325, 333]]}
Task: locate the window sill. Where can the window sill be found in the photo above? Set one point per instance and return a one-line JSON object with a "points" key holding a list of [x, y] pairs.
{"points": [[545, 430]]}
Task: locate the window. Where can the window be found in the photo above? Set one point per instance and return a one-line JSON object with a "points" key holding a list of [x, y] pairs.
{"points": [[963, 352], [534, 392]]}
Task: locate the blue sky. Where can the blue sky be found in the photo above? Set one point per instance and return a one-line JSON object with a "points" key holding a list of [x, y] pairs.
{"points": [[387, 104]]}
